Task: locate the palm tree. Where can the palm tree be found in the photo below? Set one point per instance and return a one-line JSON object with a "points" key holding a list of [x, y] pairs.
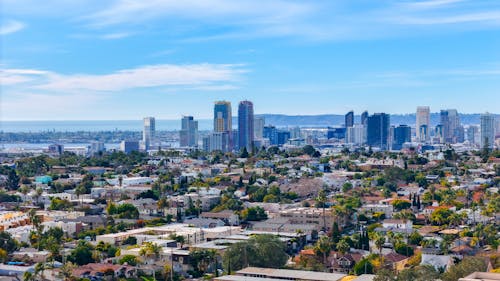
{"points": [[343, 247], [66, 272], [379, 241], [323, 247], [321, 199], [28, 276], [39, 269], [150, 249]]}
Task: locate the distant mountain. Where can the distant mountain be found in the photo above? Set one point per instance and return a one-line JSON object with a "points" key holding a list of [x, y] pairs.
{"points": [[333, 120]]}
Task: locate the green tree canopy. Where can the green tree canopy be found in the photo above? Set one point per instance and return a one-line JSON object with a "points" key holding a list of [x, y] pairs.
{"points": [[260, 251]]}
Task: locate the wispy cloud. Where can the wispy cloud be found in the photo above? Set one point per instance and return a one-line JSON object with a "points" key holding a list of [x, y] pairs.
{"points": [[323, 20], [163, 75], [11, 26], [116, 35]]}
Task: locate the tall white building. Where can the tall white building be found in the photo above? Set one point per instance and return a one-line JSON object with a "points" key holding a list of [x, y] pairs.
{"points": [[356, 134], [487, 130], [473, 135], [258, 127], [423, 118], [148, 133]]}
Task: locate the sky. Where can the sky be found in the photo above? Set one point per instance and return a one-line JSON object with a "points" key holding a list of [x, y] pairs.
{"points": [[125, 59]]}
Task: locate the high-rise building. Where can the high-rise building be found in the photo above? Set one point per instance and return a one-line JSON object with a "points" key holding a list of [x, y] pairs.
{"points": [[356, 134], [402, 134], [258, 127], [378, 130], [128, 146], [450, 122], [487, 130], [439, 134], [96, 147], [56, 149], [295, 133], [222, 117], [459, 134], [364, 118], [336, 133], [473, 135], [148, 133], [423, 119], [216, 141], [349, 119], [189, 132], [223, 120], [245, 125], [271, 133]]}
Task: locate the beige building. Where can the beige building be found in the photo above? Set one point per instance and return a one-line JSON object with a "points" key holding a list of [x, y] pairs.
{"points": [[305, 215]]}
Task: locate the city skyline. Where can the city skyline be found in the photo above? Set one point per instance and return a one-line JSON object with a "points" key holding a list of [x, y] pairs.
{"points": [[100, 61]]}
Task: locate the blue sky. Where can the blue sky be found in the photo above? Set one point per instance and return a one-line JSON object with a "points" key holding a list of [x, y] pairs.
{"points": [[124, 59]]}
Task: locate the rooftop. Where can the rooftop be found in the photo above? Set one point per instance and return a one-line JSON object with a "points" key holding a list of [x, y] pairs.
{"points": [[291, 274]]}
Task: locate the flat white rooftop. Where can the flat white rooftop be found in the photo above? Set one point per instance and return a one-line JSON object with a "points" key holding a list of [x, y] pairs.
{"points": [[290, 274]]}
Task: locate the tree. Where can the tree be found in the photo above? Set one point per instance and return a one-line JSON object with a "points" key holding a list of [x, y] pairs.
{"points": [[323, 247], [151, 250], [379, 241], [342, 246], [254, 214], [364, 266], [441, 216], [12, 180], [201, 261], [401, 204], [8, 243], [244, 153], [260, 251], [467, 266], [66, 271], [336, 235], [129, 259], [321, 200], [82, 254]]}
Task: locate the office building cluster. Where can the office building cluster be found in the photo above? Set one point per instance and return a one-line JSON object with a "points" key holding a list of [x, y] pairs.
{"points": [[375, 131]]}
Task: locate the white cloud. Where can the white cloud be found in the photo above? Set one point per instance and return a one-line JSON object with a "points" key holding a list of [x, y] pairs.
{"points": [[116, 35], [322, 20], [11, 26], [163, 75], [17, 76]]}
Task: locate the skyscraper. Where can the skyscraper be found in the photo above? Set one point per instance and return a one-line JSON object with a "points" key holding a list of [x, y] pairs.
{"points": [[378, 130], [349, 119], [222, 117], [258, 127], [450, 122], [423, 119], [356, 134], [223, 129], [364, 118], [148, 133], [189, 132], [402, 134], [245, 125], [473, 135], [487, 130]]}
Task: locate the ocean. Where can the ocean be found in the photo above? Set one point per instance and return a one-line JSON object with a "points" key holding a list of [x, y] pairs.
{"points": [[94, 125]]}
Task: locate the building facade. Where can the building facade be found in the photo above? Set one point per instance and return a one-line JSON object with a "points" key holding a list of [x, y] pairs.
{"points": [[487, 130], [245, 125], [188, 132], [423, 119], [148, 133], [378, 130]]}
